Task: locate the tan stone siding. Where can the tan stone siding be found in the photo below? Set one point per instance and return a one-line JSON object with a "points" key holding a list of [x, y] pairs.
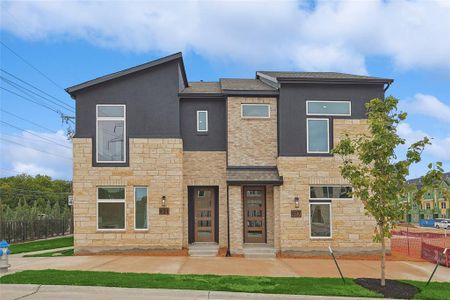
{"points": [[236, 220], [352, 230], [251, 141], [269, 214], [155, 163], [206, 168]]}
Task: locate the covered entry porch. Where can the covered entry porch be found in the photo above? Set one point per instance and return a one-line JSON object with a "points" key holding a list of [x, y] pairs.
{"points": [[253, 200]]}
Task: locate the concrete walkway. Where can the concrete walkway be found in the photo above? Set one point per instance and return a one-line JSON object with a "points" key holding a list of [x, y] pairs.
{"points": [[42, 251], [50, 292], [286, 267]]}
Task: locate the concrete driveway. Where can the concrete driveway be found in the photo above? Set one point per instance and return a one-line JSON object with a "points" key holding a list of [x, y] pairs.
{"points": [[286, 267]]}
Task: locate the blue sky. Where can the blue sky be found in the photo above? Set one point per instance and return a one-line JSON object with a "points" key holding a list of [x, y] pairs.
{"points": [[72, 42]]}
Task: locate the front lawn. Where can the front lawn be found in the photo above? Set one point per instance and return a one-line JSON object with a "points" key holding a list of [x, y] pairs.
{"points": [[68, 252], [41, 245], [267, 285]]}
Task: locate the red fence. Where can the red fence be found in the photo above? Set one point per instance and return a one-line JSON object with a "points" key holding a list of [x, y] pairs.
{"points": [[425, 245]]}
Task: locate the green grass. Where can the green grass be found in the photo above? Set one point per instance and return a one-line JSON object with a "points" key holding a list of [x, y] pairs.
{"points": [[269, 285], [434, 291], [41, 245], [68, 252]]}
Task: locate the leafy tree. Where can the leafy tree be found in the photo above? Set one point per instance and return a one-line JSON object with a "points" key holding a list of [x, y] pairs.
{"points": [[377, 175]]}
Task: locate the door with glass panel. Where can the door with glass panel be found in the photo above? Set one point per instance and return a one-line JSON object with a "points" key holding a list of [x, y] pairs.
{"points": [[254, 215], [204, 214]]}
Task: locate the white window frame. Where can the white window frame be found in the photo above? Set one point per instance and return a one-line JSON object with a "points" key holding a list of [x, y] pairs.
{"points": [[328, 135], [255, 117], [330, 185], [124, 119], [328, 101], [198, 121], [148, 216], [310, 222], [113, 201]]}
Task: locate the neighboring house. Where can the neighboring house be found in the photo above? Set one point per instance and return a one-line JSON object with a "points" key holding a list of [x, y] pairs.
{"points": [[163, 164], [432, 205]]}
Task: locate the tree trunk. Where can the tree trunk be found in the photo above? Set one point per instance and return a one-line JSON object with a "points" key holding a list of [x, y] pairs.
{"points": [[383, 256]]}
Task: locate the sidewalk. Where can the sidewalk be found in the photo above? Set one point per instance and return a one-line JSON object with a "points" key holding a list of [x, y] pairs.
{"points": [[50, 292], [285, 267]]}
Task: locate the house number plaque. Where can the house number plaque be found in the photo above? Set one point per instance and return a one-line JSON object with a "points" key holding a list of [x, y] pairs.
{"points": [[296, 213], [163, 210]]}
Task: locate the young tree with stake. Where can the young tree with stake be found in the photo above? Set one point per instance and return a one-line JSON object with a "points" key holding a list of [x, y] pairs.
{"points": [[377, 176]]}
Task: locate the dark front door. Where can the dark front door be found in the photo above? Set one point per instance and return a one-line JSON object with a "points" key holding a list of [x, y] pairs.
{"points": [[204, 214], [254, 214]]}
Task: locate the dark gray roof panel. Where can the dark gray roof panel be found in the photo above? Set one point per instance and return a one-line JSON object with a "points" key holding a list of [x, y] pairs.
{"points": [[202, 88], [138, 68], [248, 175], [332, 76], [235, 84]]}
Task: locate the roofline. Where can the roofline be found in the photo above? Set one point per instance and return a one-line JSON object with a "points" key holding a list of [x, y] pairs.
{"points": [[200, 95], [89, 83], [324, 80]]}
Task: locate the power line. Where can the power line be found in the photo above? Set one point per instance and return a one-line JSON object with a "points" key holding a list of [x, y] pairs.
{"points": [[31, 100], [22, 88], [29, 64], [32, 133], [23, 119], [36, 88], [25, 146]]}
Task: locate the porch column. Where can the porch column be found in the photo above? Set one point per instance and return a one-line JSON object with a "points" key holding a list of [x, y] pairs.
{"points": [[236, 220]]}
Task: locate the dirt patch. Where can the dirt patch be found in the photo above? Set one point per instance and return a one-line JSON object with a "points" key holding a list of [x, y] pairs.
{"points": [[392, 289], [392, 257]]}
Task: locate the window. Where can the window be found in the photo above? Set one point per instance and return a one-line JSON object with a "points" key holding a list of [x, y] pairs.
{"points": [[140, 208], [320, 219], [317, 136], [330, 192], [110, 208], [111, 134], [202, 121], [255, 110], [330, 108], [443, 205], [428, 205]]}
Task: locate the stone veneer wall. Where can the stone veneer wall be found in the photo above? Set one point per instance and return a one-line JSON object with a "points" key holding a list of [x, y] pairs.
{"points": [[251, 141], [206, 168], [155, 163], [352, 230]]}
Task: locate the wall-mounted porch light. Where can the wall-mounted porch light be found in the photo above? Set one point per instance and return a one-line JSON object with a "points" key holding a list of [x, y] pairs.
{"points": [[297, 202], [163, 201]]}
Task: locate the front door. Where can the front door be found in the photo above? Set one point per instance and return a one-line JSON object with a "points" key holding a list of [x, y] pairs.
{"points": [[204, 214], [254, 214]]}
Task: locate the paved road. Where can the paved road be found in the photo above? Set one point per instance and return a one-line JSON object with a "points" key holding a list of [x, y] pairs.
{"points": [[51, 292]]}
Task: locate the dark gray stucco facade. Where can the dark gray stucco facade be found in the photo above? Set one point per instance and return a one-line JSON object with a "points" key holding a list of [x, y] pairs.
{"points": [[151, 97], [292, 110], [215, 138]]}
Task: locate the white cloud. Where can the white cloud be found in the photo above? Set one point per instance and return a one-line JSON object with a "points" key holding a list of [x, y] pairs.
{"points": [[438, 150], [427, 105], [333, 35], [57, 163]]}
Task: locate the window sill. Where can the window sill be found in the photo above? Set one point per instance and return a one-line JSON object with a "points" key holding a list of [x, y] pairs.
{"points": [[141, 230], [111, 230], [320, 238]]}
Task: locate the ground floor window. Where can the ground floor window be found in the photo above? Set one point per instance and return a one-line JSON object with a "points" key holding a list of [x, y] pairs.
{"points": [[140, 208], [111, 208], [320, 219]]}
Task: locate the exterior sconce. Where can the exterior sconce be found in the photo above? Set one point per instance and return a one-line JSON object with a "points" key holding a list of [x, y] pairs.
{"points": [[163, 201], [297, 202]]}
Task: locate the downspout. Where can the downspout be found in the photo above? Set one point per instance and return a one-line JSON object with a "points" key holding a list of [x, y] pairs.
{"points": [[228, 222]]}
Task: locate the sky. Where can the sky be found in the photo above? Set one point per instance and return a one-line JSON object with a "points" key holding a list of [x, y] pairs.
{"points": [[54, 44]]}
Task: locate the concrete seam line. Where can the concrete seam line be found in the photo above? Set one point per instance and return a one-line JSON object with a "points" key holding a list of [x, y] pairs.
{"points": [[209, 292], [34, 292]]}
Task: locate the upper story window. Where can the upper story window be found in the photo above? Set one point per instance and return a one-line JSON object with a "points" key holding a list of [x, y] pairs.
{"points": [[318, 140], [111, 131], [251, 110], [330, 192], [202, 121], [328, 108]]}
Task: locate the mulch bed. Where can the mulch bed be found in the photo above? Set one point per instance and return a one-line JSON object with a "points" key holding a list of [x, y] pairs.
{"points": [[392, 289]]}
